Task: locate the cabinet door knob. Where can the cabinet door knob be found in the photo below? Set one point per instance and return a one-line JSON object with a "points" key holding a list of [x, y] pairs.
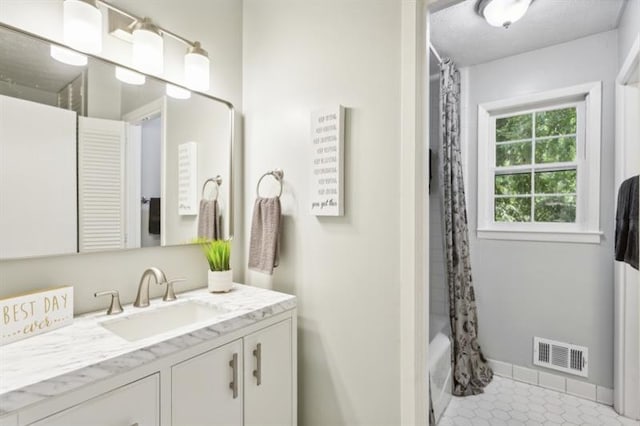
{"points": [[234, 381], [257, 373]]}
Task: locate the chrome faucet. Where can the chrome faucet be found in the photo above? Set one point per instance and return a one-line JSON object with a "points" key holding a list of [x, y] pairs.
{"points": [[142, 300]]}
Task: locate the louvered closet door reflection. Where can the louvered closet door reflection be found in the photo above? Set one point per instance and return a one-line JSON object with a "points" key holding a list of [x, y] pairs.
{"points": [[101, 192]]}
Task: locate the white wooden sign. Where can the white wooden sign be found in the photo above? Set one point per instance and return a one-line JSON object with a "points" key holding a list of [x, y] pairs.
{"points": [[188, 179], [35, 313], [327, 167]]}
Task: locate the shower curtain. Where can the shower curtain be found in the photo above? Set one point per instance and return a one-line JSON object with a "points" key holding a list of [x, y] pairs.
{"points": [[471, 373]]}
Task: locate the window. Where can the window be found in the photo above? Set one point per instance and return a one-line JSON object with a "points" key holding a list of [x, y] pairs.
{"points": [[538, 166]]}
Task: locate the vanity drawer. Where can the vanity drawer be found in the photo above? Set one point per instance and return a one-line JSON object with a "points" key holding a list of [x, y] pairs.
{"points": [[137, 403]]}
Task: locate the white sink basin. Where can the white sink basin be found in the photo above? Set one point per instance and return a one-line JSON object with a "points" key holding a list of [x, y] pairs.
{"points": [[161, 320]]}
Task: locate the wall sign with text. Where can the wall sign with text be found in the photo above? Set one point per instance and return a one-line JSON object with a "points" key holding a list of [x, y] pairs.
{"points": [[35, 313], [327, 162]]}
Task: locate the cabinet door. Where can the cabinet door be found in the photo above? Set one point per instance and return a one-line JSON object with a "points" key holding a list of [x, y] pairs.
{"points": [[268, 376], [207, 389], [134, 404]]}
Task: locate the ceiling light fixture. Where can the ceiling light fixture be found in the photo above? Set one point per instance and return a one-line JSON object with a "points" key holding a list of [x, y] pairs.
{"points": [[67, 56], [177, 92], [82, 25], [148, 47], [130, 77], [502, 13], [196, 67]]}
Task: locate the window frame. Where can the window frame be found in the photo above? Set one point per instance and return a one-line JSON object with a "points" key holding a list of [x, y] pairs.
{"points": [[587, 98]]}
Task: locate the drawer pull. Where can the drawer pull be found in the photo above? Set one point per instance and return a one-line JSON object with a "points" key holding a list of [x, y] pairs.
{"points": [[234, 381], [257, 373], [135, 424]]}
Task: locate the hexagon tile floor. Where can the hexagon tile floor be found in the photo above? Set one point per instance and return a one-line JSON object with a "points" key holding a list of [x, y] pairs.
{"points": [[507, 402]]}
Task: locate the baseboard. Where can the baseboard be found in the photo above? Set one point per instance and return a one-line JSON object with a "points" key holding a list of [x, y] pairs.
{"points": [[554, 382]]}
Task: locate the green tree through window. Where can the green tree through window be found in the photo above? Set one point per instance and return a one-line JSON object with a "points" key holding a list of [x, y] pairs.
{"points": [[536, 170]]}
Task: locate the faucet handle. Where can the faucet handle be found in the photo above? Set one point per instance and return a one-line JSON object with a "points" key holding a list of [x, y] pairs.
{"points": [[115, 307], [169, 294]]}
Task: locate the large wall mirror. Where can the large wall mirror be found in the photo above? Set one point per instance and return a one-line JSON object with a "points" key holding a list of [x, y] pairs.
{"points": [[94, 157]]}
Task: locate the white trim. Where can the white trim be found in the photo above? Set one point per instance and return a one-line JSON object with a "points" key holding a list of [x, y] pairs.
{"points": [[414, 220], [587, 98], [557, 236], [556, 382], [630, 63], [133, 185], [626, 364]]}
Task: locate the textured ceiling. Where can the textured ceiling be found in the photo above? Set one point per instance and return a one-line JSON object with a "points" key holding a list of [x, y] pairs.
{"points": [[27, 62], [459, 33]]}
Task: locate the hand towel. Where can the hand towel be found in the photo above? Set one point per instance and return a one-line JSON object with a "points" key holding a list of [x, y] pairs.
{"points": [[208, 220], [265, 235], [626, 241], [154, 216]]}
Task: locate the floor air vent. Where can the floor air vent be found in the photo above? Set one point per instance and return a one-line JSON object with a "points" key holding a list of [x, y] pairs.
{"points": [[560, 356]]}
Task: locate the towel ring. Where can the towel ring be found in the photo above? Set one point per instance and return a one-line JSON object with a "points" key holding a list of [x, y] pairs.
{"points": [[277, 175], [217, 180]]}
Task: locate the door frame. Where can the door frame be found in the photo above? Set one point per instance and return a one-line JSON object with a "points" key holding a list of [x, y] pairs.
{"points": [[414, 208], [627, 309], [133, 119]]}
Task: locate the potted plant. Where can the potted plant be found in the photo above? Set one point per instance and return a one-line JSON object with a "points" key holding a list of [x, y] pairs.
{"points": [[218, 253]]}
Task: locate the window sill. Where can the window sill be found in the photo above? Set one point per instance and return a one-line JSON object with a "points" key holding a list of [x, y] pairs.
{"points": [[585, 237]]}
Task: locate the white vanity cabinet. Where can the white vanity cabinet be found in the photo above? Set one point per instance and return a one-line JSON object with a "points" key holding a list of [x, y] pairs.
{"points": [[268, 376], [242, 377], [134, 404], [254, 373], [207, 390]]}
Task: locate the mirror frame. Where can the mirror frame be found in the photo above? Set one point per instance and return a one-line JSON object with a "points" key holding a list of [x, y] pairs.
{"points": [[231, 120]]}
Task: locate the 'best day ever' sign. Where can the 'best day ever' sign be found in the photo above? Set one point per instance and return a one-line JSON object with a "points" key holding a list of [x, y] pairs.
{"points": [[35, 313]]}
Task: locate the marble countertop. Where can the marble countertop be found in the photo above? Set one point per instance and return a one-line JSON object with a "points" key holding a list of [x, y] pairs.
{"points": [[84, 352]]}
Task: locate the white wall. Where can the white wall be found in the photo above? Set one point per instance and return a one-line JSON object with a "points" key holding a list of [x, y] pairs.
{"points": [[28, 93], [561, 291], [206, 123], [103, 91], [218, 25], [299, 56]]}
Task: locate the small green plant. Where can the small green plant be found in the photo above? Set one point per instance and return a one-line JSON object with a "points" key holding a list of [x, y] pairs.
{"points": [[217, 253]]}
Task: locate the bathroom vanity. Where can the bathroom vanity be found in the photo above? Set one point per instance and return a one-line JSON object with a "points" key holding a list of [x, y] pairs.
{"points": [[203, 359]]}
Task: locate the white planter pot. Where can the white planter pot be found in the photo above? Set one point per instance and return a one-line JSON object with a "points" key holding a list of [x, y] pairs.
{"points": [[220, 281]]}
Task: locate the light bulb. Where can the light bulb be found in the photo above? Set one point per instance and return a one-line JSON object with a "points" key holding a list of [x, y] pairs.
{"points": [[82, 25], [503, 13], [148, 47], [177, 92], [130, 77], [196, 67], [68, 56]]}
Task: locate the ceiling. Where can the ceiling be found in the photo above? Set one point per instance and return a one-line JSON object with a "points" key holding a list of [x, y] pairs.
{"points": [[26, 62], [459, 33]]}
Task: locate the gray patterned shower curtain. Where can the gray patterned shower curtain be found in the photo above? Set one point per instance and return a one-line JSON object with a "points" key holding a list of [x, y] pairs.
{"points": [[471, 373]]}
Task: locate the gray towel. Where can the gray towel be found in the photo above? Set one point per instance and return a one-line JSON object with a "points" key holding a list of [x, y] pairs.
{"points": [[208, 220], [265, 234]]}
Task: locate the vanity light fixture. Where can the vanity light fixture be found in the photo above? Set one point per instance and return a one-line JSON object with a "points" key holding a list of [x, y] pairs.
{"points": [[196, 67], [502, 13], [148, 47], [83, 32], [130, 77], [82, 25], [177, 92], [67, 56]]}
